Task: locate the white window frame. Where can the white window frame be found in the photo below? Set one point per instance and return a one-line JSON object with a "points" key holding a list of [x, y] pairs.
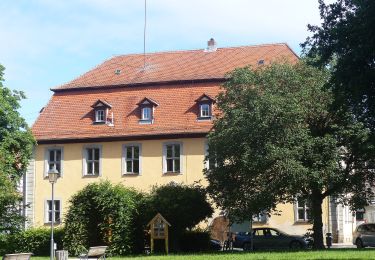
{"points": [[99, 113], [47, 161], [125, 160], [201, 110], [305, 208], [165, 157], [149, 109], [261, 217], [85, 158], [47, 210], [206, 160]]}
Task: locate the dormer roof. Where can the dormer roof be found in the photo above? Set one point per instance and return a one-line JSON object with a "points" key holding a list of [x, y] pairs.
{"points": [[148, 101], [101, 103], [205, 98]]}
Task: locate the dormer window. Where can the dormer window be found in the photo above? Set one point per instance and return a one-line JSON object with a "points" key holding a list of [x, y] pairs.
{"points": [[147, 107], [146, 113], [204, 107], [99, 116], [205, 110], [101, 111]]}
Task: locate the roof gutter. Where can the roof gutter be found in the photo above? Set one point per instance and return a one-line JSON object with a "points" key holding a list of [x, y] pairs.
{"points": [[156, 83], [122, 138]]}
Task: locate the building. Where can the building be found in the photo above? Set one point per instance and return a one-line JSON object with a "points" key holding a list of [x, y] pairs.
{"points": [[139, 120]]}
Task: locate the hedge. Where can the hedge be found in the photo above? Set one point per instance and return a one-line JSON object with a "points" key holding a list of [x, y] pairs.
{"points": [[34, 240], [104, 214]]}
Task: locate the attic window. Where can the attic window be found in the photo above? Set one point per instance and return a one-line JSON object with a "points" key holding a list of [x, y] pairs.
{"points": [[117, 72], [260, 62], [99, 116], [204, 107], [101, 110], [147, 107]]}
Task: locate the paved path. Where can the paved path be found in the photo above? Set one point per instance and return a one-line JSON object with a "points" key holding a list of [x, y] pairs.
{"points": [[343, 245]]}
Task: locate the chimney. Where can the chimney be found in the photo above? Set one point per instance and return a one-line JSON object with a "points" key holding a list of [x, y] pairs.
{"points": [[211, 45]]}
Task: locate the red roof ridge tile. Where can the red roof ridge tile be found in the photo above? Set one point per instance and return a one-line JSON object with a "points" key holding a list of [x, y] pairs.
{"points": [[198, 49]]}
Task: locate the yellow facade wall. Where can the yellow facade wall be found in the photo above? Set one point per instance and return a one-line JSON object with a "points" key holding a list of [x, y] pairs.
{"points": [[72, 179]]}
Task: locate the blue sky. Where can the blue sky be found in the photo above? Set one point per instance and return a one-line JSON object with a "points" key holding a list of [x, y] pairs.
{"points": [[45, 43]]}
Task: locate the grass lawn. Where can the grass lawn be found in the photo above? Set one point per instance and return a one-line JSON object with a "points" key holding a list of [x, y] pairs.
{"points": [[302, 255]]}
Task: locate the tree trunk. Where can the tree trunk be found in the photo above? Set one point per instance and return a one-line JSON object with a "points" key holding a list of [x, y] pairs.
{"points": [[316, 207]]}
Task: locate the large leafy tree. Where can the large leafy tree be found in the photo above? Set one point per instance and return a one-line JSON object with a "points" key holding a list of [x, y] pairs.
{"points": [[278, 136], [183, 206], [16, 142], [345, 41]]}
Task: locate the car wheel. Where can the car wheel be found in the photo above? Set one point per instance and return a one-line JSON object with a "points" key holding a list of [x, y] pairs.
{"points": [[359, 243], [295, 245], [246, 247]]}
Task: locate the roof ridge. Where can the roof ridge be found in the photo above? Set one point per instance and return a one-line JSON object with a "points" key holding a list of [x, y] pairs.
{"points": [[193, 50]]}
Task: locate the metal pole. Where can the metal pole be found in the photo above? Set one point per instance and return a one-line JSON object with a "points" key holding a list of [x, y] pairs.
{"points": [[251, 234], [52, 220]]}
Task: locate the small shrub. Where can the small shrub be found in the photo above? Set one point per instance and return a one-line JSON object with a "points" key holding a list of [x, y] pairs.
{"points": [[34, 240]]}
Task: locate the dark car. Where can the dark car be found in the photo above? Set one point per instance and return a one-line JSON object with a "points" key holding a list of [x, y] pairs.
{"points": [[215, 245], [270, 238], [364, 235]]}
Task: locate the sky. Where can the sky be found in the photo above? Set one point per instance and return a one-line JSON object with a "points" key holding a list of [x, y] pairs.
{"points": [[45, 43]]}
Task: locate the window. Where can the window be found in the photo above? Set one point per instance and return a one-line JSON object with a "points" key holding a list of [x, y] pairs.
{"points": [[92, 160], [204, 103], [146, 113], [53, 159], [101, 111], [172, 158], [209, 163], [303, 212], [99, 116], [147, 106], [360, 215], [205, 110], [260, 218], [57, 211], [131, 158]]}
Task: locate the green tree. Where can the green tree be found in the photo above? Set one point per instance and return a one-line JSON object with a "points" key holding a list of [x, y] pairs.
{"points": [[184, 206], [103, 213], [279, 136], [345, 41], [16, 143]]}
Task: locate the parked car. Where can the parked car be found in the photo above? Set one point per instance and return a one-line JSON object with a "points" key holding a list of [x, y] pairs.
{"points": [[364, 235], [215, 245], [270, 238]]}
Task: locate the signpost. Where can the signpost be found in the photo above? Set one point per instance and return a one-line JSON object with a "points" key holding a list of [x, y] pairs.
{"points": [[159, 230]]}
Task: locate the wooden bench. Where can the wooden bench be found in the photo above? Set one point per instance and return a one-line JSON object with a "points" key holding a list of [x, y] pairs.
{"points": [[19, 256], [95, 252]]}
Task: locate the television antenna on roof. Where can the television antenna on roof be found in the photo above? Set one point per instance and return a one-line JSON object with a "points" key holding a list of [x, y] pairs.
{"points": [[144, 37]]}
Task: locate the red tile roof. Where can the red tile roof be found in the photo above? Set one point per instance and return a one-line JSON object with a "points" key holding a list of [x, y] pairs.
{"points": [[69, 117], [177, 66]]}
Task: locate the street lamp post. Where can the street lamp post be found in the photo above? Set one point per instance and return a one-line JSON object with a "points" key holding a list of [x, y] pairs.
{"points": [[53, 174]]}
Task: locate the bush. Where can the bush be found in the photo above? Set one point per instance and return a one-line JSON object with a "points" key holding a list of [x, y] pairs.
{"points": [[104, 214], [183, 206], [34, 240], [193, 241]]}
